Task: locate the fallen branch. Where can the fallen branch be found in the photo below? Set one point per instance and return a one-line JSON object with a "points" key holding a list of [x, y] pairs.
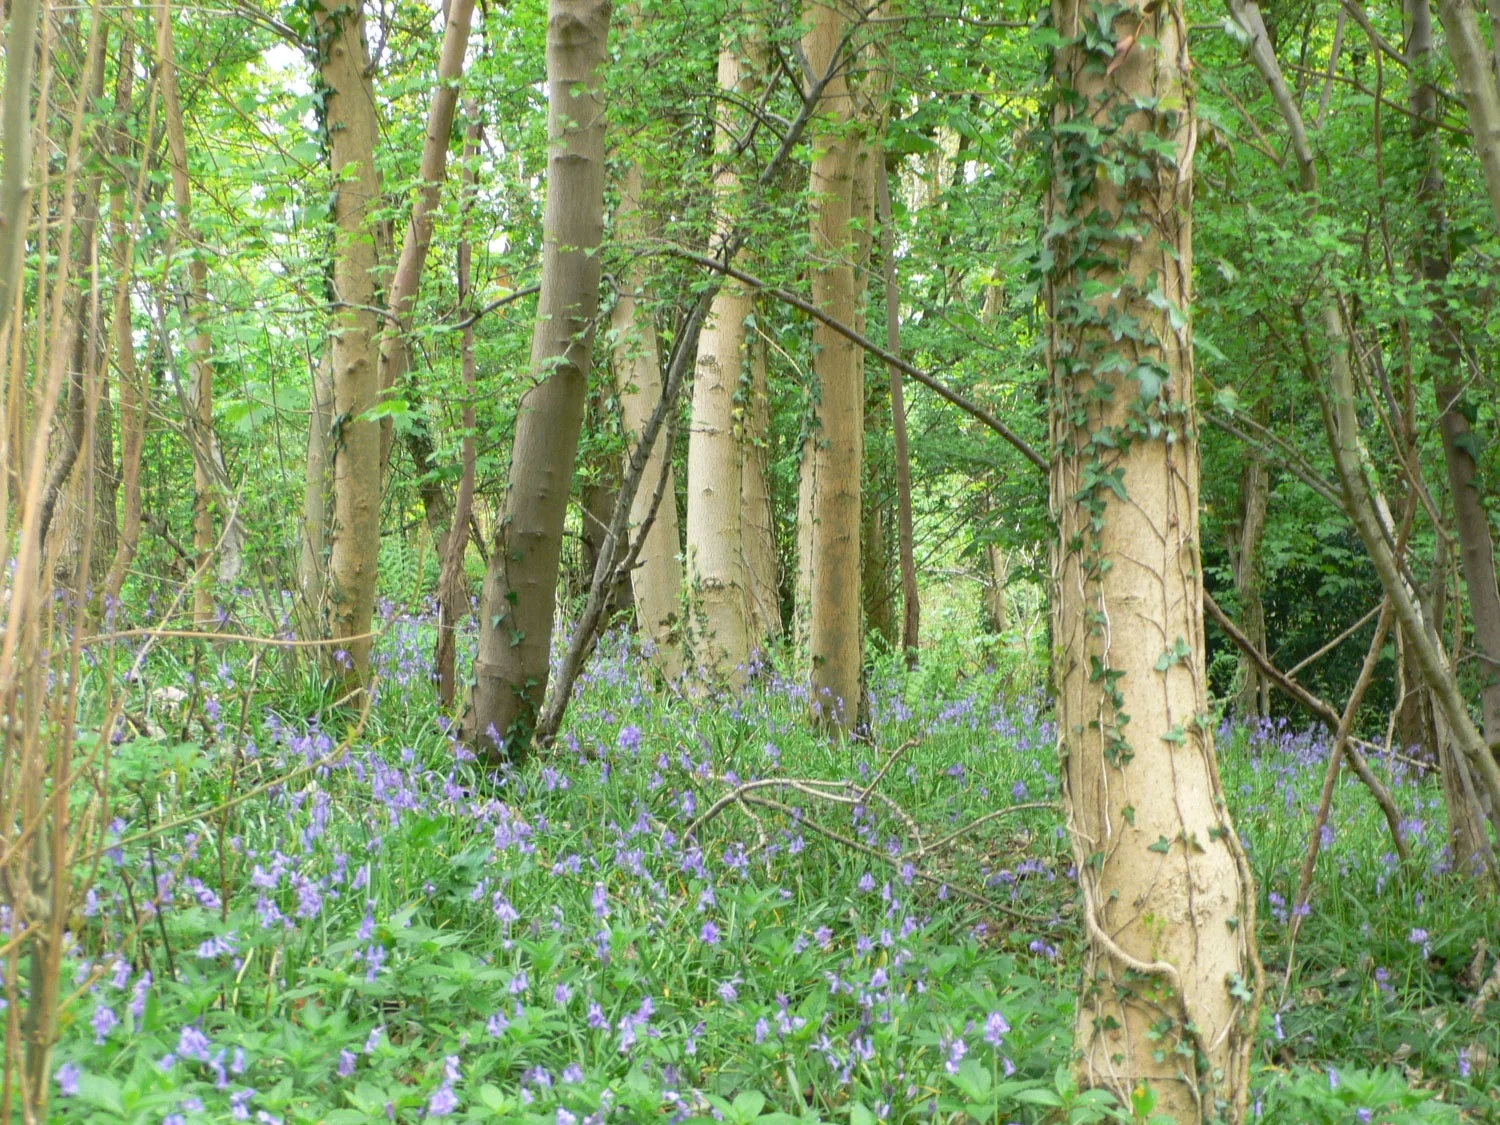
{"points": [[746, 795]]}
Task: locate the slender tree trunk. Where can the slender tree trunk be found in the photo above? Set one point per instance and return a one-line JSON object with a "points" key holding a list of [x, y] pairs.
{"points": [[453, 585], [1245, 561], [807, 482], [82, 511], [199, 384], [718, 582], [757, 516], [996, 603], [317, 493], [596, 505], [1449, 363], [133, 394], [834, 626], [876, 587], [515, 617], [911, 607], [1471, 61], [657, 580], [1466, 830], [15, 115], [354, 440], [1171, 980], [395, 351]]}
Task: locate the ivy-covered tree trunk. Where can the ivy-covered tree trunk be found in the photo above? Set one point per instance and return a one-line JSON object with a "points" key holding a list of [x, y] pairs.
{"points": [[1171, 982], [354, 440], [656, 581], [718, 582], [835, 631], [520, 583]]}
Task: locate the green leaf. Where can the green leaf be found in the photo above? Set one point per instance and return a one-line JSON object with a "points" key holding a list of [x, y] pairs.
{"points": [[748, 1104], [1040, 1095], [1162, 845], [99, 1090]]}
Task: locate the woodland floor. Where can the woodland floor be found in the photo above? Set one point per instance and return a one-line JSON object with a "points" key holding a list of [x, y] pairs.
{"points": [[368, 935]]}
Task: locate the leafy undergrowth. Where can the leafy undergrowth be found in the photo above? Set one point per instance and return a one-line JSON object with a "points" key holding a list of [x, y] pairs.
{"points": [[372, 933]]}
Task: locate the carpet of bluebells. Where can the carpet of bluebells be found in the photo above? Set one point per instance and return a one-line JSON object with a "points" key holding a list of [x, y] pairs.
{"points": [[374, 931]]}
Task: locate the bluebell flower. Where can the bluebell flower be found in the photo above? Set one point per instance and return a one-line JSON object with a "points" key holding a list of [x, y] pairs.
{"points": [[67, 1079]]}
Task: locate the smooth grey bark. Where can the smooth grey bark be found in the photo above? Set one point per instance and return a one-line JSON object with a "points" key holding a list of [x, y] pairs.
{"points": [[516, 606]]}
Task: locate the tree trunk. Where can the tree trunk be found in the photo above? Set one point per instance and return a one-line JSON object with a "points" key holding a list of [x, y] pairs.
{"points": [[354, 440], [1471, 61], [834, 627], [597, 504], [317, 491], [911, 607], [1244, 557], [516, 607], [657, 579], [122, 323], [717, 574], [802, 585], [876, 587], [88, 501], [1171, 981], [401, 302], [15, 164], [453, 585], [1449, 363], [996, 603], [199, 385], [757, 516], [133, 395]]}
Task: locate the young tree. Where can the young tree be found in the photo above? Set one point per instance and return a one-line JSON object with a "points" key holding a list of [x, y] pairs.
{"points": [[835, 631], [718, 579], [124, 199], [516, 606], [911, 606], [1449, 361], [1245, 561], [1171, 981], [657, 579], [209, 474], [354, 439], [453, 585], [401, 302]]}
